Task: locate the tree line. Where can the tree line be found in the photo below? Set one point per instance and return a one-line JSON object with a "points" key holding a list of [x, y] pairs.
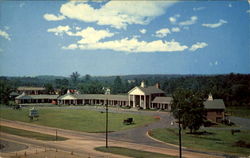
{"points": [[234, 89]]}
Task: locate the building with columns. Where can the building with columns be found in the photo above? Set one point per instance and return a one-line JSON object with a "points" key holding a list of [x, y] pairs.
{"points": [[142, 97]]}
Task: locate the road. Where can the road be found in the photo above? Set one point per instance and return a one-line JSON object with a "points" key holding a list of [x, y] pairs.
{"points": [[84, 143]]}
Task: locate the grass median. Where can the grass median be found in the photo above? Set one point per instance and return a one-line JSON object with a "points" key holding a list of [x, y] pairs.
{"points": [[29, 134], [77, 119], [132, 152], [217, 140]]}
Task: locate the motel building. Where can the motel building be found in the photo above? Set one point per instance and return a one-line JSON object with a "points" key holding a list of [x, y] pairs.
{"points": [[140, 97]]}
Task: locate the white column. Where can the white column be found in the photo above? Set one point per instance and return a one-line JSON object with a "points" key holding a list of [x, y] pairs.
{"points": [[129, 100], [134, 101], [140, 101], [145, 99]]}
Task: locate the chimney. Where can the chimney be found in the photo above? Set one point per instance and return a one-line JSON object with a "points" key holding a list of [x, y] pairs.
{"points": [[142, 84], [157, 85], [210, 97], [68, 91]]}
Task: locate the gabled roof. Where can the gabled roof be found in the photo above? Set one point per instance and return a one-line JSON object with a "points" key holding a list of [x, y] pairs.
{"points": [[148, 90], [214, 104], [30, 88], [42, 96], [162, 100], [97, 96]]}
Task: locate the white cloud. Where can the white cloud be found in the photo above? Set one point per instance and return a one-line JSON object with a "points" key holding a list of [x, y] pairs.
{"points": [[90, 35], [143, 31], [132, 45], [1, 50], [248, 11], [215, 25], [213, 63], [70, 47], [198, 9], [52, 17], [162, 32], [78, 28], [60, 30], [191, 21], [173, 19], [198, 45], [230, 5], [5, 35], [117, 14], [175, 29]]}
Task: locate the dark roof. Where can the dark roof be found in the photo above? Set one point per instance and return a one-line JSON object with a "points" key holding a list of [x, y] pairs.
{"points": [[149, 90], [164, 100], [42, 96], [97, 96], [30, 88], [214, 104]]}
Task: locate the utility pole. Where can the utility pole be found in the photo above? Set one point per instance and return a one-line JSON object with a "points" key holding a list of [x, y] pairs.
{"points": [[180, 133], [106, 123]]}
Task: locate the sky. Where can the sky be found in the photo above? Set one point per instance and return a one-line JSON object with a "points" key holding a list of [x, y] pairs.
{"points": [[124, 37]]}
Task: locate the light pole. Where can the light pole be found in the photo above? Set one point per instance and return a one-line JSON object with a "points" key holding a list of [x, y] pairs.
{"points": [[179, 132], [106, 123]]}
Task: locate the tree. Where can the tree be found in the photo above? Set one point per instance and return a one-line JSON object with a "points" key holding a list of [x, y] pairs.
{"points": [[87, 78], [117, 86], [49, 88], [5, 90], [74, 77], [189, 107]]}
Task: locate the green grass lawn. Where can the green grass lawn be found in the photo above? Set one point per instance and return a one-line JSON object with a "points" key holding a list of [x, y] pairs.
{"points": [[29, 134], [76, 119], [220, 140], [132, 152], [239, 111]]}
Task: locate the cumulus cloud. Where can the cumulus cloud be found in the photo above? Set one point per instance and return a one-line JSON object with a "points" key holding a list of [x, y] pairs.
{"points": [[52, 17], [90, 35], [60, 30], [173, 19], [191, 21], [175, 29], [70, 47], [133, 45], [5, 35], [248, 11], [230, 5], [117, 14], [215, 25], [198, 45], [143, 31], [162, 32]]}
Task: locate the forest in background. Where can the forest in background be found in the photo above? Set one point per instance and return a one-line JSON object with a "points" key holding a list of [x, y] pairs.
{"points": [[234, 89]]}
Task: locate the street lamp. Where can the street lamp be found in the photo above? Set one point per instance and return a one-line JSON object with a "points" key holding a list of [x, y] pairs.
{"points": [[106, 123]]}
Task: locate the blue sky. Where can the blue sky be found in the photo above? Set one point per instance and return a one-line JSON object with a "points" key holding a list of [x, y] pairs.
{"points": [[119, 38]]}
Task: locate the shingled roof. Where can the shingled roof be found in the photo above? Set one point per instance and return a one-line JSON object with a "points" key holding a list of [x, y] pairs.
{"points": [[162, 100], [214, 104], [42, 96], [97, 96], [30, 88]]}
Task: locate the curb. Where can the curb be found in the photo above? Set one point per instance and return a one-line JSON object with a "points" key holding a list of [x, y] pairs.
{"points": [[162, 141]]}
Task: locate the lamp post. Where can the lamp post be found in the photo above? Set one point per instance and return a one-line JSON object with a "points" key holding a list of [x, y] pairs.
{"points": [[179, 133], [106, 123]]}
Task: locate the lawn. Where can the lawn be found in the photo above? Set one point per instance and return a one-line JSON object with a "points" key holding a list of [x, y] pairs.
{"points": [[239, 111], [77, 119], [29, 134], [132, 152], [218, 140]]}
